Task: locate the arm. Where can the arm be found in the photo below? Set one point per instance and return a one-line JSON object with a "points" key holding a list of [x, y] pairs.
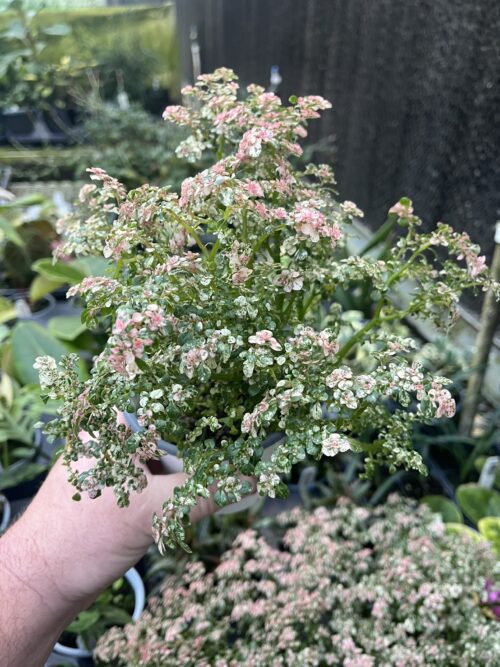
{"points": [[61, 554]]}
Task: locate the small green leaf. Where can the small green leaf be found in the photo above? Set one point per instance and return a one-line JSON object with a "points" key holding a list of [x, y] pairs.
{"points": [[446, 508]]}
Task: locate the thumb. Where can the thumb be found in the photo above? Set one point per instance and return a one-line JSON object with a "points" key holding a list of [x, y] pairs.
{"points": [[161, 487]]}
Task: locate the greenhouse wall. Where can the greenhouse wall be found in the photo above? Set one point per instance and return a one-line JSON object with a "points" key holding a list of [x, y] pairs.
{"points": [[416, 108]]}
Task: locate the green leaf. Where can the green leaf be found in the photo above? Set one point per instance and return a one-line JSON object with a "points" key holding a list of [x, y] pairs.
{"points": [[60, 271], [142, 364], [29, 341], [461, 529], [66, 327], [489, 527], [445, 507], [92, 266], [477, 502], [84, 621], [41, 286]]}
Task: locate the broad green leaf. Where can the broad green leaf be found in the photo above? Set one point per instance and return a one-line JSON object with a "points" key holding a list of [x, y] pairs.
{"points": [[92, 266], [441, 505], [29, 341], [66, 327], [41, 286], [461, 529], [477, 502], [60, 271], [489, 527]]}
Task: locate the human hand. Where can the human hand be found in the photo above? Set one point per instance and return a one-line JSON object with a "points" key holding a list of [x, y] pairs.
{"points": [[57, 558]]}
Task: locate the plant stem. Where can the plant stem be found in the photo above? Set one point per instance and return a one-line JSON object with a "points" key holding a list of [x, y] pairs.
{"points": [[191, 233], [359, 334], [376, 319], [484, 340]]}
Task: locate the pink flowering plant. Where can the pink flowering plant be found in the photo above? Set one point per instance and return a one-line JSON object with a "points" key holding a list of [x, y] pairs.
{"points": [[346, 586], [213, 305]]}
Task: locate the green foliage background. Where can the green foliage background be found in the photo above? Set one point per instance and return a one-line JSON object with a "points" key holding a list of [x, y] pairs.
{"points": [[136, 35]]}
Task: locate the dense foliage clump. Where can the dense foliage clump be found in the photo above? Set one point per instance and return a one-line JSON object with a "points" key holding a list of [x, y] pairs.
{"points": [[212, 313], [349, 586]]}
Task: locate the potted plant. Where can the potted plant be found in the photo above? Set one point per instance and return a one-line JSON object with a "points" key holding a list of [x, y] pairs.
{"points": [[119, 604], [22, 463], [212, 313], [24, 452], [27, 234], [342, 586], [35, 92]]}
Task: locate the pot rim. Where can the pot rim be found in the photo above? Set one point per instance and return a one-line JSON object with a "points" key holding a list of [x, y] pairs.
{"points": [[134, 579]]}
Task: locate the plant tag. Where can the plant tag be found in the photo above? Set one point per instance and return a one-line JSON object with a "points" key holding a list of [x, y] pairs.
{"points": [[487, 478]]}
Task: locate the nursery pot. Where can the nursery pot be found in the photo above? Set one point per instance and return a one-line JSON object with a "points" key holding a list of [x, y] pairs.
{"points": [[20, 299], [172, 463], [5, 513], [134, 580]]}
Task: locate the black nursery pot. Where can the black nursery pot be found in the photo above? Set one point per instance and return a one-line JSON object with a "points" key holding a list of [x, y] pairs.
{"points": [[25, 490]]}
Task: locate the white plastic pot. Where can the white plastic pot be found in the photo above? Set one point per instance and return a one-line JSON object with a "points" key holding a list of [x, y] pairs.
{"points": [[6, 513], [135, 581], [172, 463]]}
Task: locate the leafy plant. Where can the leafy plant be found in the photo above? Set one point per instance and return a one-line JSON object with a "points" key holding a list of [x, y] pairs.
{"points": [[26, 79], [20, 410], [480, 505], [113, 607], [26, 235], [133, 146], [345, 586], [212, 311]]}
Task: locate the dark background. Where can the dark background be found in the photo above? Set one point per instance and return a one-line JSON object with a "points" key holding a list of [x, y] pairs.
{"points": [[414, 84]]}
